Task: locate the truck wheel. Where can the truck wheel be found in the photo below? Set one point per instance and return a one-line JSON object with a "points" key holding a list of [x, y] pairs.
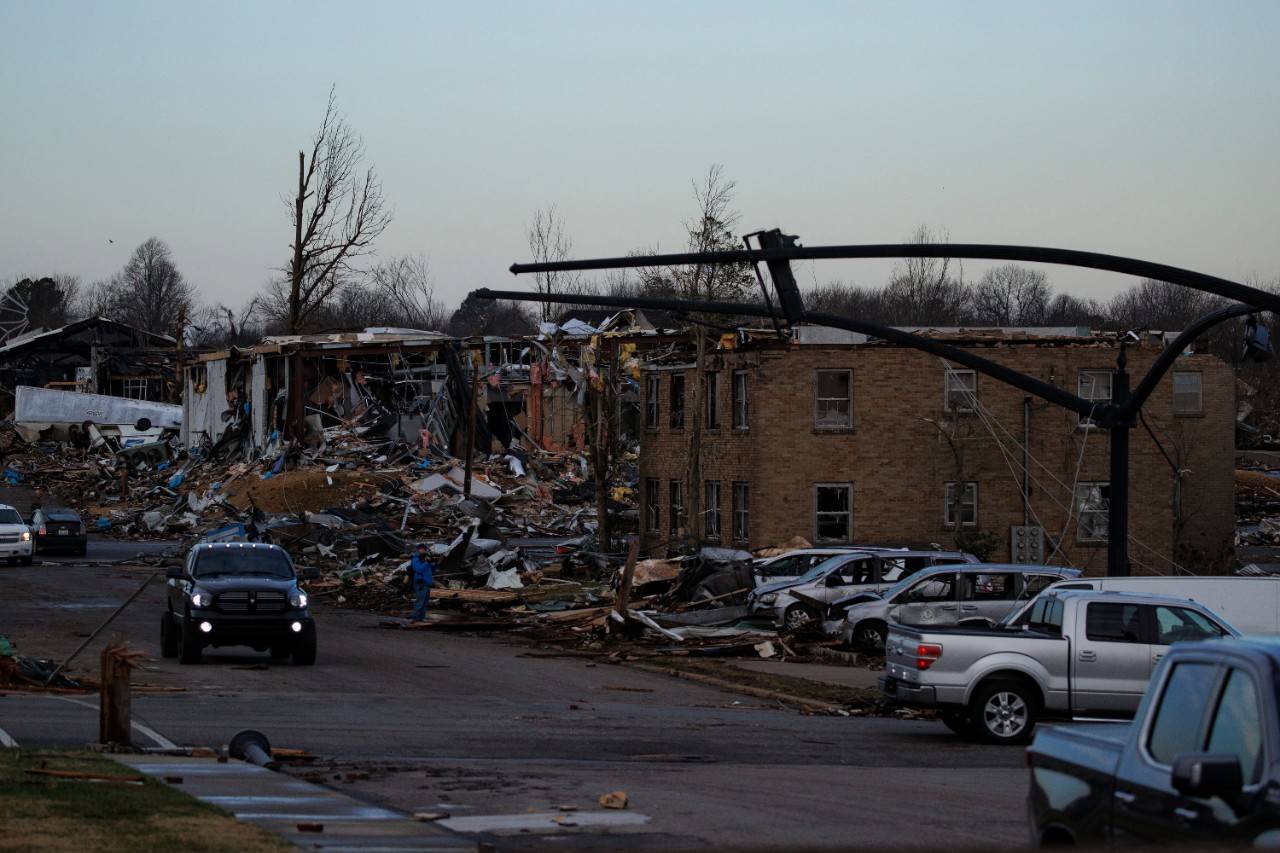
{"points": [[168, 637], [280, 652], [958, 722], [304, 651], [190, 650], [871, 634], [795, 616], [1004, 712]]}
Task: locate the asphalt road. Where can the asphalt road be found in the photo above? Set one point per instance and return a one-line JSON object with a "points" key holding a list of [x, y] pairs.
{"points": [[490, 729]]}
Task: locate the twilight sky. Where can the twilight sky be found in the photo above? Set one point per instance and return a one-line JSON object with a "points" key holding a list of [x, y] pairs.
{"points": [[1149, 129]]}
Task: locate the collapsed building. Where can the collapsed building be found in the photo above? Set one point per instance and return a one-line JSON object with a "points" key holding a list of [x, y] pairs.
{"points": [[845, 439]]}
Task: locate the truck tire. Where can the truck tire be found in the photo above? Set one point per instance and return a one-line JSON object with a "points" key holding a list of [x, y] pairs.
{"points": [[871, 634], [304, 650], [1004, 712], [168, 637], [958, 722], [190, 649]]}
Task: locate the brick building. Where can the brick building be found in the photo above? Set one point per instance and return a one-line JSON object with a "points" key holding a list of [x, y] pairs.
{"points": [[871, 443]]}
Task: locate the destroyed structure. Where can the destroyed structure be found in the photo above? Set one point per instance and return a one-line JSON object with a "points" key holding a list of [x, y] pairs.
{"points": [[93, 356], [843, 439]]}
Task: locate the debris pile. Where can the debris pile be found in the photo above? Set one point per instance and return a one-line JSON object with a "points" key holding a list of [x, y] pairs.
{"points": [[1258, 506]]}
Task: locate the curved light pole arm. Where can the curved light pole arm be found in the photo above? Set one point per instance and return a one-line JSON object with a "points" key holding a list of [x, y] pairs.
{"points": [[1169, 356]]}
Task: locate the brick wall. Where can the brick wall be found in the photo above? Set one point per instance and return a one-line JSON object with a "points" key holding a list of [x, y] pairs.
{"points": [[903, 447]]}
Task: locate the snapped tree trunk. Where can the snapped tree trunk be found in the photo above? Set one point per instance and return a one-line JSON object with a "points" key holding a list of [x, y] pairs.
{"points": [[295, 269]]}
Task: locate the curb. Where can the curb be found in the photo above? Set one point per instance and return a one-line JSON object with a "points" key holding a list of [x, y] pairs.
{"points": [[758, 692]]}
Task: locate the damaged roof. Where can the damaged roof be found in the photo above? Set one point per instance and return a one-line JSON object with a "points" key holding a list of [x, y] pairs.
{"points": [[35, 339]]}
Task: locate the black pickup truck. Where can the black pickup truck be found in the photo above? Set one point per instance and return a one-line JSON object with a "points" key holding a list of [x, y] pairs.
{"points": [[1199, 763], [233, 594]]}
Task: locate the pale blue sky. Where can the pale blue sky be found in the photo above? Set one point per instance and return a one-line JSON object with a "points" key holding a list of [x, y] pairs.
{"points": [[1146, 129]]}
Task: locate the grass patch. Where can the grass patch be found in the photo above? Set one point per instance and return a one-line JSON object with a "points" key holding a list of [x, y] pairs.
{"points": [[836, 694], [46, 813]]}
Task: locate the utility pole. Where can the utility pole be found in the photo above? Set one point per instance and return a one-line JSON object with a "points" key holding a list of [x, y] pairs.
{"points": [[181, 358], [471, 424], [1118, 499]]}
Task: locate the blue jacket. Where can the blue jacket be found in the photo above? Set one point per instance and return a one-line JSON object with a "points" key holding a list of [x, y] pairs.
{"points": [[423, 570]]}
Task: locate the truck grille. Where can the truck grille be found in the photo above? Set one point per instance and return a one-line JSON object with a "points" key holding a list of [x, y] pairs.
{"points": [[263, 601], [8, 538]]}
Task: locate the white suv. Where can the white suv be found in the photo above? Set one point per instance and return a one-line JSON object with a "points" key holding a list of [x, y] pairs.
{"points": [[15, 536]]}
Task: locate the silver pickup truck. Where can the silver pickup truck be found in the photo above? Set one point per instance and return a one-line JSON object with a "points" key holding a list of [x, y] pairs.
{"points": [[1081, 653]]}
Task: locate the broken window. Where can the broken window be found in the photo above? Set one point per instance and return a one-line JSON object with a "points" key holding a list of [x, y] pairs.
{"points": [[653, 387], [651, 498], [833, 400], [675, 508], [711, 513], [833, 512], [1187, 397], [1094, 386], [677, 401], [741, 511], [960, 504], [1093, 509], [961, 390], [740, 399], [135, 388], [711, 399]]}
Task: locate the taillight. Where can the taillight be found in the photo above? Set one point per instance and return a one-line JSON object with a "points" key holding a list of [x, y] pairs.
{"points": [[561, 550], [927, 654], [43, 532]]}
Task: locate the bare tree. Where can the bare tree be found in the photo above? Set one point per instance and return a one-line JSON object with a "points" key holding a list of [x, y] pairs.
{"points": [[1012, 295], [1067, 310], [150, 292], [927, 290], [548, 243], [40, 303], [403, 285], [1160, 305], [337, 213]]}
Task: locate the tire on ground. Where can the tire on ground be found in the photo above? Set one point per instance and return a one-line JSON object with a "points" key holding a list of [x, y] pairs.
{"points": [[304, 648], [1005, 711], [169, 641], [190, 648]]}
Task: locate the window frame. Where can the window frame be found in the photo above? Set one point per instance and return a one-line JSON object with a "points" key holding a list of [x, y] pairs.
{"points": [[711, 400], [675, 506], [818, 372], [1084, 421], [653, 402], [712, 531], [676, 401], [817, 514], [741, 403], [1080, 511], [741, 498], [1173, 392], [948, 374], [952, 520], [652, 507]]}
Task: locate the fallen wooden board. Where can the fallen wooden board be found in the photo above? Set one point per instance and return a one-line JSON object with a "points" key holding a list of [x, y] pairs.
{"points": [[76, 776]]}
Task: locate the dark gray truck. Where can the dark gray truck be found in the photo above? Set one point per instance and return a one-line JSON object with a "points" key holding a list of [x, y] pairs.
{"points": [[1199, 763]]}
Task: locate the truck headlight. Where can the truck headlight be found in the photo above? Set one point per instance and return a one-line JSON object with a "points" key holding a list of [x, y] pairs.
{"points": [[298, 598], [768, 598], [200, 598], [26, 536]]}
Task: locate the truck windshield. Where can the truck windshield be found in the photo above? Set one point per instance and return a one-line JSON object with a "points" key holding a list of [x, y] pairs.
{"points": [[10, 516], [246, 561]]}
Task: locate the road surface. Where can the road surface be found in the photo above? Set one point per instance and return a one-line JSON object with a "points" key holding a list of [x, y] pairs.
{"points": [[490, 729]]}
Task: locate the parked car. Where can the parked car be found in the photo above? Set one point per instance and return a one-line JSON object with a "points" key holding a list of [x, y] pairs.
{"points": [[15, 537], [233, 594], [1250, 604], [793, 563], [1199, 764], [983, 592], [1082, 653], [59, 530], [793, 602]]}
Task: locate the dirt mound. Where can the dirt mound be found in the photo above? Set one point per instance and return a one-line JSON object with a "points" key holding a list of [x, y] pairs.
{"points": [[306, 490]]}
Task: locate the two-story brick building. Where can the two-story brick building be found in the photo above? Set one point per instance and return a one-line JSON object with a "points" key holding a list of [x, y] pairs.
{"points": [[866, 442]]}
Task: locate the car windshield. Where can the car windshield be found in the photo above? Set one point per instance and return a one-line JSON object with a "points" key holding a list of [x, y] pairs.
{"points": [[822, 568], [10, 516], [243, 561]]}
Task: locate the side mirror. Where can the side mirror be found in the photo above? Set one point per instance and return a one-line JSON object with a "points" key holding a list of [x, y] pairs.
{"points": [[175, 573], [1207, 774], [309, 574]]}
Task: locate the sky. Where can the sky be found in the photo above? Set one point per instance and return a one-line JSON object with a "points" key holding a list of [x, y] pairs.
{"points": [[1146, 129]]}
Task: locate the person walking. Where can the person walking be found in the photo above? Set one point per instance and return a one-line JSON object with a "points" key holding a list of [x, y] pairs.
{"points": [[423, 577]]}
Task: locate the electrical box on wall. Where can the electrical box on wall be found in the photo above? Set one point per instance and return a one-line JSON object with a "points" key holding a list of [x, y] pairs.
{"points": [[1026, 544]]}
